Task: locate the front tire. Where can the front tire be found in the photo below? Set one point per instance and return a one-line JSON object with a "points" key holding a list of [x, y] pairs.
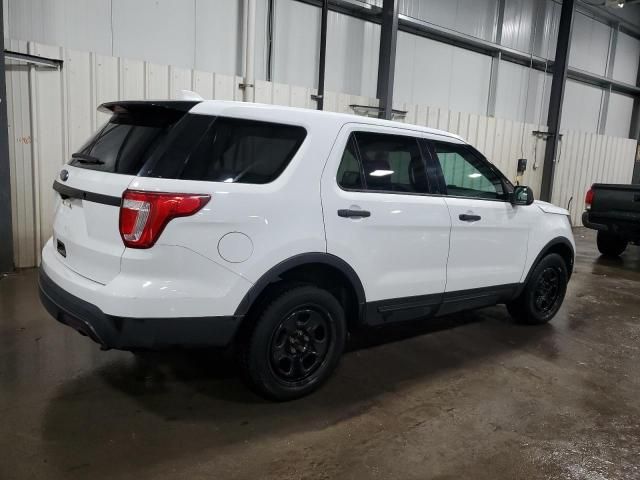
{"points": [[295, 343], [543, 294], [610, 245]]}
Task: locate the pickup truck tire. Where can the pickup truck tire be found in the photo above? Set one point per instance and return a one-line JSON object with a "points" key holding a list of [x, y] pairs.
{"points": [[543, 294], [295, 343], [610, 245]]}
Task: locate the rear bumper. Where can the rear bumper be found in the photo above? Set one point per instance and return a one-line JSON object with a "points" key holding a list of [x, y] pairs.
{"points": [[134, 333], [629, 230]]}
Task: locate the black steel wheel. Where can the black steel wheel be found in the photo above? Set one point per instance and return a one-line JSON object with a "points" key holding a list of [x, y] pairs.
{"points": [[544, 292], [294, 344], [547, 290], [300, 343]]}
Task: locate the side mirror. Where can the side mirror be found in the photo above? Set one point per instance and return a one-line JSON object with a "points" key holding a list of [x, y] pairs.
{"points": [[522, 195]]}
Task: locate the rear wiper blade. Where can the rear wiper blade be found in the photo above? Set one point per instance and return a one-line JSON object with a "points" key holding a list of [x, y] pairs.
{"points": [[84, 158]]}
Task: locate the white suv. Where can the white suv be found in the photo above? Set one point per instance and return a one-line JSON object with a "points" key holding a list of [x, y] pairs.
{"points": [[279, 230]]}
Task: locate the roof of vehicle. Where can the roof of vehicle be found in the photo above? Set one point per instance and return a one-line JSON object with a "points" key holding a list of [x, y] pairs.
{"points": [[303, 115]]}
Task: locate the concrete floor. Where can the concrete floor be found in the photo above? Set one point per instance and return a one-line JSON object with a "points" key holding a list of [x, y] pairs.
{"points": [[472, 396]]}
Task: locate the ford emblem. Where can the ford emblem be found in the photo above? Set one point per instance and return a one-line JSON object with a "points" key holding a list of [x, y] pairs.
{"points": [[64, 174]]}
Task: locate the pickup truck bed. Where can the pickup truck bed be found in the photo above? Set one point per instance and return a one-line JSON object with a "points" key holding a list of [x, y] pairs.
{"points": [[613, 210]]}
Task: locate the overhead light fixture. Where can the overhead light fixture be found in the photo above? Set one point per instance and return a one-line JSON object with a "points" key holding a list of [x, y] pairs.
{"points": [[620, 3], [475, 175], [381, 173]]}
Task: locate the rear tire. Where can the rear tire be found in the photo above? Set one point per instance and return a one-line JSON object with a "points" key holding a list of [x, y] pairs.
{"points": [[543, 294], [294, 344], [610, 245]]}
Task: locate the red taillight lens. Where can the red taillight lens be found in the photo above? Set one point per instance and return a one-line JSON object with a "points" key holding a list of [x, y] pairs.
{"points": [[143, 215], [588, 199]]}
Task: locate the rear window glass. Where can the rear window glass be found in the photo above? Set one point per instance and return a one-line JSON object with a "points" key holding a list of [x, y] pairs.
{"points": [[127, 141], [222, 149]]}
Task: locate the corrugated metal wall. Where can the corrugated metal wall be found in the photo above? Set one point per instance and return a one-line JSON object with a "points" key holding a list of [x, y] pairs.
{"points": [[51, 113], [587, 158]]}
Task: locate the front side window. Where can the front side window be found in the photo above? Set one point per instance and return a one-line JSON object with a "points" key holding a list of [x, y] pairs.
{"points": [[382, 162], [467, 175]]}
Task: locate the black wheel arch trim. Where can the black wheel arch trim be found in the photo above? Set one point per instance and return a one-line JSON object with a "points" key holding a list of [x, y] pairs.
{"points": [[544, 252], [274, 275]]}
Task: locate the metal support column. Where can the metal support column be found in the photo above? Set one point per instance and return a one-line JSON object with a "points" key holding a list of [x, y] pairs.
{"points": [[495, 60], [387, 58], [606, 95], [558, 84], [6, 233], [323, 55], [634, 129]]}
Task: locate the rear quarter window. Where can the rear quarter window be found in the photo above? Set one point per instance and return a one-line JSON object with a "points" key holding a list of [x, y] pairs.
{"points": [[222, 149]]}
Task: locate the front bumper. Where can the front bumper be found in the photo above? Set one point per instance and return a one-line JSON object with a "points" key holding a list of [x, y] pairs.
{"points": [[134, 333]]}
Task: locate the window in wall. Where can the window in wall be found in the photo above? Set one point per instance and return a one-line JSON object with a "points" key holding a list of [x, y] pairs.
{"points": [[391, 163], [467, 175]]}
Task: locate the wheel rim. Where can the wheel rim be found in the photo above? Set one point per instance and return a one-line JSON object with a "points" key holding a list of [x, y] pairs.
{"points": [[300, 343], [547, 291]]}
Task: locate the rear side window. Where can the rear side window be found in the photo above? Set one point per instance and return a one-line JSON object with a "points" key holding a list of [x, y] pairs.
{"points": [[390, 163], [221, 149]]}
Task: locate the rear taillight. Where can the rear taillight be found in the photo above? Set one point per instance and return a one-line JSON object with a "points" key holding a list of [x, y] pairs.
{"points": [[143, 215], [588, 199]]}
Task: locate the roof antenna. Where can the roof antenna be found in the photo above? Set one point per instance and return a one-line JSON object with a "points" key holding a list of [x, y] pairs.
{"points": [[189, 95]]}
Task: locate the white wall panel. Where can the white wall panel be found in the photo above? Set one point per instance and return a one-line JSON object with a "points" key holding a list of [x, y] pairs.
{"points": [[218, 36], [522, 94], [625, 67], [81, 24], [432, 73], [619, 115], [352, 55], [581, 107], [296, 37], [589, 44], [473, 17], [160, 31]]}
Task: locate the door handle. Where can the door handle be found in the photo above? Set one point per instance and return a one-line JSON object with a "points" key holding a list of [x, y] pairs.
{"points": [[348, 213], [465, 217]]}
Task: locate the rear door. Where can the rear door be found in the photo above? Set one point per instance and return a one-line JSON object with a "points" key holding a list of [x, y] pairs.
{"points": [[380, 219], [89, 189], [489, 236]]}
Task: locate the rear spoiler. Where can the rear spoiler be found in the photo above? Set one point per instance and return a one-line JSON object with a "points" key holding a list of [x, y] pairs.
{"points": [[132, 106]]}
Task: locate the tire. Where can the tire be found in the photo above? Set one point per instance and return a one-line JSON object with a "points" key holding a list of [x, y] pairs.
{"points": [[610, 245], [543, 294], [295, 343]]}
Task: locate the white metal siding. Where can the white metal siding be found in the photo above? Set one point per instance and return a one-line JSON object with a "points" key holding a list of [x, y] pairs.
{"points": [[531, 25], [589, 44], [522, 94], [619, 115], [433, 73], [473, 17], [581, 107], [625, 67]]}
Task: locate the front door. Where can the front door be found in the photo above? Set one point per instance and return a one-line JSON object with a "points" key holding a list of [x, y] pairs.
{"points": [[489, 235], [380, 219]]}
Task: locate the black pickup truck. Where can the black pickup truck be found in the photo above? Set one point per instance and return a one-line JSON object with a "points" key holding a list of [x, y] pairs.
{"points": [[613, 210]]}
